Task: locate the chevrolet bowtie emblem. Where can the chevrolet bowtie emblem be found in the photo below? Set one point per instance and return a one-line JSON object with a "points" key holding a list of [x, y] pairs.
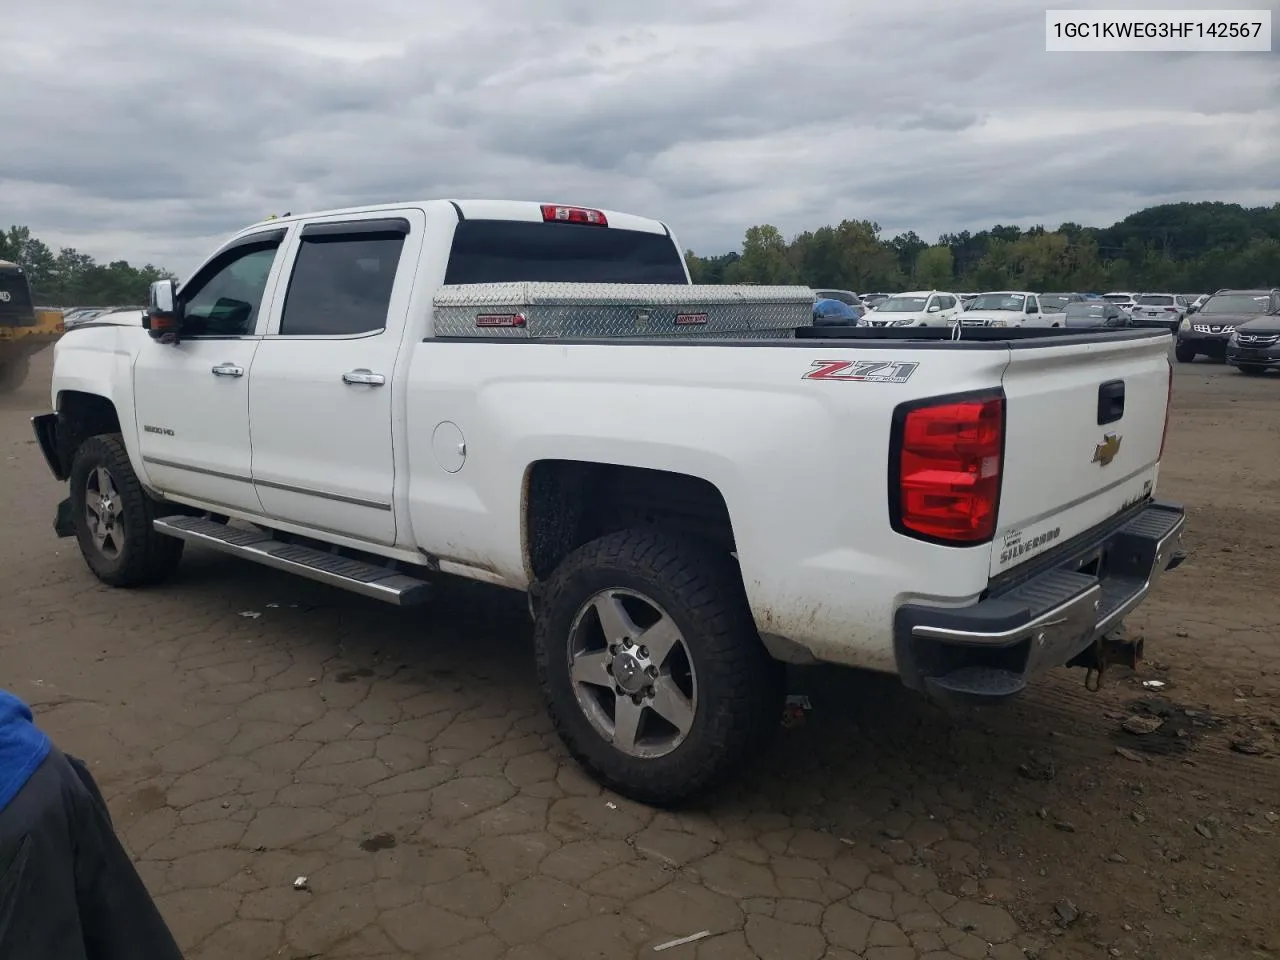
{"points": [[1106, 451]]}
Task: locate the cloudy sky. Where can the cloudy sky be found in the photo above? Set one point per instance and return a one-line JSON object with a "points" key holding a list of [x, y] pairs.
{"points": [[147, 131]]}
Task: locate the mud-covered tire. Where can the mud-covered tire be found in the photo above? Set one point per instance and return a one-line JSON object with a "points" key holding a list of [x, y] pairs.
{"points": [[13, 374], [143, 556], [1184, 353], [739, 687]]}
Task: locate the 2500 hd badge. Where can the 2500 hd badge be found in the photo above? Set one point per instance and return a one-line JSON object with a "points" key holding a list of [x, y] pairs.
{"points": [[1015, 548]]}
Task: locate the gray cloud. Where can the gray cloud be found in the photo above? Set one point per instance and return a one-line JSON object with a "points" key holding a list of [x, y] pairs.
{"points": [[131, 136]]}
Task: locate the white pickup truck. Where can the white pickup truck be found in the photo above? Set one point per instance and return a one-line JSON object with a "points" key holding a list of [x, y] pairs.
{"points": [[692, 484], [1008, 308]]}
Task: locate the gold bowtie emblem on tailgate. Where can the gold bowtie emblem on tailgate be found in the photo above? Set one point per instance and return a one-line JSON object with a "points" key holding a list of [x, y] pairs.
{"points": [[1106, 451]]}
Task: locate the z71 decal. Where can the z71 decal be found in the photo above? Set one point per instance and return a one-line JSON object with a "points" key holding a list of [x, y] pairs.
{"points": [[868, 371]]}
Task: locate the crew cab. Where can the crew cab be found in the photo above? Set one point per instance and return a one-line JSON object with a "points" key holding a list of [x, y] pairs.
{"points": [[693, 485], [1008, 308]]}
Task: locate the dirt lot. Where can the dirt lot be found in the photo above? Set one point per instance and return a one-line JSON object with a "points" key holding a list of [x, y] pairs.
{"points": [[249, 728]]}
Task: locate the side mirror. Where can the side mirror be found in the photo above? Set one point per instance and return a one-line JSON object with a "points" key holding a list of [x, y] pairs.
{"points": [[164, 314], [934, 308]]}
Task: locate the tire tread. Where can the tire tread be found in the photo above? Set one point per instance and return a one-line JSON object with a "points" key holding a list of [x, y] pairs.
{"points": [[708, 595], [149, 557]]}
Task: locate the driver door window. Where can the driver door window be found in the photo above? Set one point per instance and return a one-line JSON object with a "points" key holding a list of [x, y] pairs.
{"points": [[226, 301]]}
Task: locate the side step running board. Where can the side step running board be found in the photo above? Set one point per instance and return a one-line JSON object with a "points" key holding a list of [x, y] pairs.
{"points": [[381, 583]]}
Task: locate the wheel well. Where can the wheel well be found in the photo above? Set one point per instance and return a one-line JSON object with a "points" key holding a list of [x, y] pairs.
{"points": [[571, 502], [80, 416]]}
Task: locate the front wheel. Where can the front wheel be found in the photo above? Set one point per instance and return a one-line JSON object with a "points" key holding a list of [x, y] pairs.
{"points": [[653, 672], [1185, 353], [112, 516]]}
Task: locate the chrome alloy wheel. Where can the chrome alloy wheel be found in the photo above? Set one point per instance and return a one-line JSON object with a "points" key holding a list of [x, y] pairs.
{"points": [[104, 510], [632, 673]]}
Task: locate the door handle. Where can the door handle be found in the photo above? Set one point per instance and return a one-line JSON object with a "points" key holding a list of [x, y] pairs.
{"points": [[365, 376], [228, 370]]}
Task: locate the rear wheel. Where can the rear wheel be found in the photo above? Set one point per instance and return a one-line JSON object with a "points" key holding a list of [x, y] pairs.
{"points": [[1185, 352], [653, 671], [1252, 369], [113, 514]]}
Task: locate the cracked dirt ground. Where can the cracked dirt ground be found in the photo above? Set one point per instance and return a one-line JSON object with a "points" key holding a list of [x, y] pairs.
{"points": [[400, 761]]}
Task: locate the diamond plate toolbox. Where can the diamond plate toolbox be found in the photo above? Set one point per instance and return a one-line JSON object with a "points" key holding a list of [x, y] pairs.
{"points": [[535, 311]]}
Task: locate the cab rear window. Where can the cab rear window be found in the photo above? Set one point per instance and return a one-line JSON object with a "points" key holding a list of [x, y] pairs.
{"points": [[504, 251]]}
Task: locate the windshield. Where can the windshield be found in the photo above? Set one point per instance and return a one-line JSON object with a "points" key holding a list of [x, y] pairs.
{"points": [[1236, 303], [902, 305], [504, 251], [1054, 302], [1085, 310], [999, 301], [1156, 300]]}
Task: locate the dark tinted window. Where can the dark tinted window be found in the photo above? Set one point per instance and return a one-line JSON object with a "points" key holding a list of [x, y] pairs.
{"points": [[15, 296], [223, 299], [497, 251], [341, 284], [1156, 300]]}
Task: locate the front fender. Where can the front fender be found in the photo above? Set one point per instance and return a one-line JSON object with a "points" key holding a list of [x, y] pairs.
{"points": [[98, 362]]}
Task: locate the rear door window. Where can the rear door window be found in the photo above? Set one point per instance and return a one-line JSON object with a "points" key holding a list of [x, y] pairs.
{"points": [[341, 284]]}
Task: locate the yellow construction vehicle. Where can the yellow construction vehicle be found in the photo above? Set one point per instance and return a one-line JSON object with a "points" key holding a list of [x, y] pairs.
{"points": [[24, 330]]}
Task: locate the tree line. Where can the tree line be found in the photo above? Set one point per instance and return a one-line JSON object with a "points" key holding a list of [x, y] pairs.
{"points": [[1178, 247], [70, 278]]}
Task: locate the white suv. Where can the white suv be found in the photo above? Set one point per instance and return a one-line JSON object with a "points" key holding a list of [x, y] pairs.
{"points": [[1160, 310], [918, 308]]}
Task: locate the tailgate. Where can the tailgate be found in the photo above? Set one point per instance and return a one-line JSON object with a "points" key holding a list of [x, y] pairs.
{"points": [[1084, 426]]}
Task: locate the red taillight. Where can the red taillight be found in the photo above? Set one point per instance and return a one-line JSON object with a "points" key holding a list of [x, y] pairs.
{"points": [[1168, 406], [947, 483], [1170, 309], [500, 320], [555, 213]]}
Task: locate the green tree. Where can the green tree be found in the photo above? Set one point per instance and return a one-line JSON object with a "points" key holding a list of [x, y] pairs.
{"points": [[71, 278], [934, 268], [765, 259]]}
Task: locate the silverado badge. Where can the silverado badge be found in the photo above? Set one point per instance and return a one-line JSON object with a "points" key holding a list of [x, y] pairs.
{"points": [[1106, 451]]}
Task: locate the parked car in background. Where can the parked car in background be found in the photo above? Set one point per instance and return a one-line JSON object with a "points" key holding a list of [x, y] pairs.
{"points": [[1094, 315], [1160, 310], [844, 296], [918, 308], [1125, 301], [83, 315], [829, 312], [1056, 302], [1007, 308], [870, 300], [1253, 345]]}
